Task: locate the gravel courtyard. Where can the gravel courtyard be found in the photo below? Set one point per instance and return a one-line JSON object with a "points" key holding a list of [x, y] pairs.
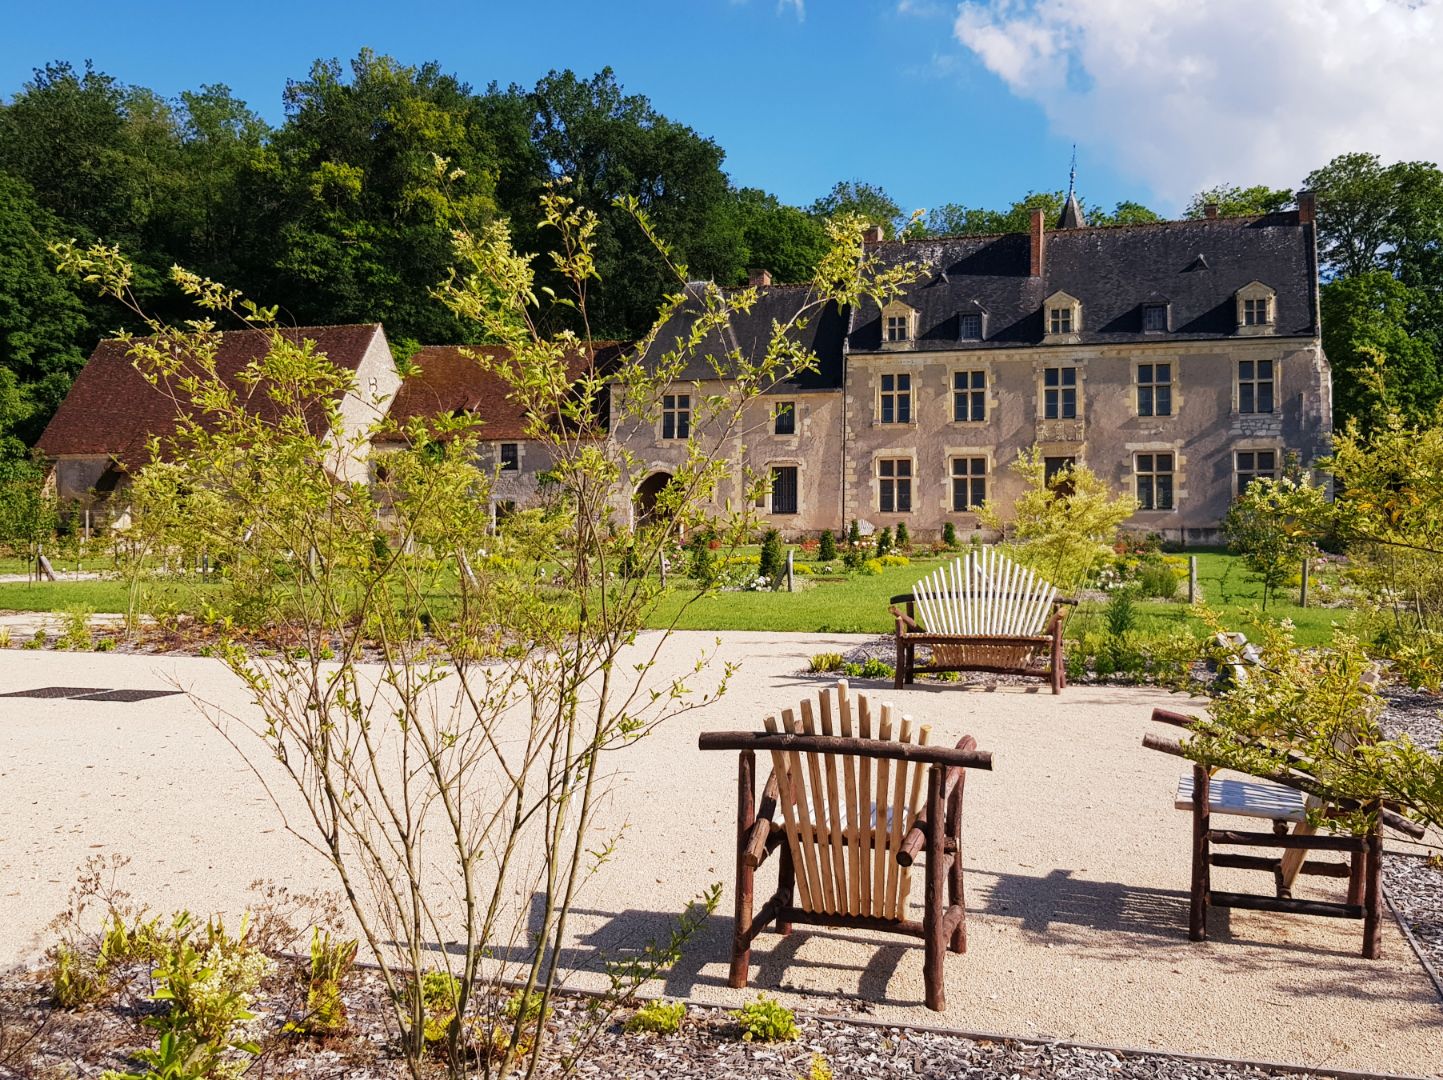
{"points": [[1077, 862]]}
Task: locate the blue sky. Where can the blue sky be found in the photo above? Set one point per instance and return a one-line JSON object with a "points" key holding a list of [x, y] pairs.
{"points": [[973, 101], [798, 97]]}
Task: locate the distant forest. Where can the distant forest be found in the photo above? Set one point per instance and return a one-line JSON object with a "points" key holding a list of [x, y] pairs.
{"points": [[337, 215]]}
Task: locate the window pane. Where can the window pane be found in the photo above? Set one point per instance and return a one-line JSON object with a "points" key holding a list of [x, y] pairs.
{"points": [[1069, 404], [683, 426], [904, 382], [786, 418], [784, 489], [1049, 377], [1265, 397], [979, 407], [1265, 369], [1163, 373], [668, 425], [1144, 463], [1144, 373], [904, 496], [1164, 463], [1164, 492], [959, 380], [1245, 461], [886, 467], [979, 492], [904, 408], [1245, 369], [979, 380], [1144, 401], [886, 408], [904, 467], [1144, 493], [887, 502], [1050, 409], [1162, 401], [1069, 376], [1245, 397], [1267, 461]]}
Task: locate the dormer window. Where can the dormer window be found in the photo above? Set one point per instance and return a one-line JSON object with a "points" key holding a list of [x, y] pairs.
{"points": [[1154, 318], [970, 327], [899, 326], [1063, 315], [1257, 308]]}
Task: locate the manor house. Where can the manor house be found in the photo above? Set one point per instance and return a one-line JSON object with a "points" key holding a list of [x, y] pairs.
{"points": [[1178, 360]]}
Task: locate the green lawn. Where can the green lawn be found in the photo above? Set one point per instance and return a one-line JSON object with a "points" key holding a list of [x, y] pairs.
{"points": [[856, 604], [859, 604]]}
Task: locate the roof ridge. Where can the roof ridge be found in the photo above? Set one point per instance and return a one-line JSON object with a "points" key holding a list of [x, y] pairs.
{"points": [[1115, 226]]}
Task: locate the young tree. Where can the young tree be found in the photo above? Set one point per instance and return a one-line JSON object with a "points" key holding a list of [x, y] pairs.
{"points": [[1269, 525], [465, 768], [1234, 201], [1063, 527], [867, 201]]}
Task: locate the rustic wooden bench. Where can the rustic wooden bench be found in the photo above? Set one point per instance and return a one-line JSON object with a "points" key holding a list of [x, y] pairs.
{"points": [[1285, 801], [845, 806], [982, 612]]}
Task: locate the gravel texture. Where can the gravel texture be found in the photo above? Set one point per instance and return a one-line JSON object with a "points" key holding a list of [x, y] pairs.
{"points": [[1077, 863]]}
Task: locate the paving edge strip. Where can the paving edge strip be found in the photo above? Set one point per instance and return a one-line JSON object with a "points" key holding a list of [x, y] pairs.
{"points": [[1398, 917], [992, 1036]]}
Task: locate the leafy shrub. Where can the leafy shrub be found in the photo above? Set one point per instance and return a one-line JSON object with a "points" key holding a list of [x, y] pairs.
{"points": [[854, 533], [1157, 579], [331, 960], [75, 979], [827, 547], [767, 1020], [904, 540], [76, 636], [895, 560], [773, 560], [826, 661], [949, 534], [37, 640], [872, 668], [657, 1018], [105, 644], [701, 564], [530, 1008], [802, 569], [852, 670], [819, 1069], [884, 541], [871, 567], [1120, 615], [440, 990]]}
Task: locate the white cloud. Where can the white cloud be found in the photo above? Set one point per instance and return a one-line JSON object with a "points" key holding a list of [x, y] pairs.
{"points": [[799, 6], [1186, 94]]}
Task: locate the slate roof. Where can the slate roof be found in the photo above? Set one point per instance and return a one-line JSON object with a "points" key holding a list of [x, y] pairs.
{"points": [[1197, 266], [450, 379], [751, 333], [112, 410]]}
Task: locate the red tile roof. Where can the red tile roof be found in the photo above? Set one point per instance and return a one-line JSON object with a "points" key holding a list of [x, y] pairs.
{"points": [[112, 410], [450, 379]]}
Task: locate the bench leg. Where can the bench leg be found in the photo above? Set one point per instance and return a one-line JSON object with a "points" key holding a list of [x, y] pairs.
{"points": [[899, 675], [1373, 895], [1201, 876], [786, 885], [746, 875]]}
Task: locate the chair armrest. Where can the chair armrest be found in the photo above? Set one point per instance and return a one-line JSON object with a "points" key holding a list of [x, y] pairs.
{"points": [[904, 621]]}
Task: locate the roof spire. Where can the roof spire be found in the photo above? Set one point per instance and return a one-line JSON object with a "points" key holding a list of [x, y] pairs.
{"points": [[1071, 216]]}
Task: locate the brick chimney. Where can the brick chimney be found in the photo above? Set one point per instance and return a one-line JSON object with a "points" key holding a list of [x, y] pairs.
{"points": [[1210, 211], [1039, 226], [873, 234], [759, 277], [1307, 207]]}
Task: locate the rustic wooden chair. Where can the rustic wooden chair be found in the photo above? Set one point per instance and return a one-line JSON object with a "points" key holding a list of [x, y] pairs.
{"points": [[850, 794], [1291, 804], [982, 612]]}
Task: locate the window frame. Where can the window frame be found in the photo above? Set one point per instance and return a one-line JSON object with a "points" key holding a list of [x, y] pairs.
{"points": [[514, 464], [971, 399], [1249, 386], [1055, 395], [1147, 390], [1148, 472], [1152, 309], [789, 410], [894, 397], [1254, 470], [966, 319], [972, 479], [676, 416], [894, 484]]}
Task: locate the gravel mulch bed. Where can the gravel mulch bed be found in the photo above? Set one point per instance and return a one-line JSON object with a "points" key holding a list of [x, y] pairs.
{"points": [[84, 1043]]}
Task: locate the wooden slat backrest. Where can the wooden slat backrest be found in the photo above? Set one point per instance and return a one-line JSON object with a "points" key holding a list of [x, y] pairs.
{"points": [[984, 593], [844, 821]]}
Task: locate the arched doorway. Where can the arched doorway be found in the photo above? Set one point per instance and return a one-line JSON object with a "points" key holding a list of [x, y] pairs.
{"points": [[646, 495]]}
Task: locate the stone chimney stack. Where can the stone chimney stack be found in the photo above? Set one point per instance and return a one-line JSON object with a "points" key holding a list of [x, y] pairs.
{"points": [[1038, 232], [1307, 207], [762, 278], [1210, 211], [873, 234]]}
